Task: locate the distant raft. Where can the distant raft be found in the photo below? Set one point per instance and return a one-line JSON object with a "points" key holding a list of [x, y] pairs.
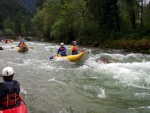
{"points": [[22, 47], [1, 48]]}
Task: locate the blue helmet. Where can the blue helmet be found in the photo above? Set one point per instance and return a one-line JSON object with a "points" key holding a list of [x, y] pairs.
{"points": [[74, 42]]}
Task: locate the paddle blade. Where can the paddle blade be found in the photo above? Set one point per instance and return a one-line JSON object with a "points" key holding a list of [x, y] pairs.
{"points": [[31, 47], [52, 57]]}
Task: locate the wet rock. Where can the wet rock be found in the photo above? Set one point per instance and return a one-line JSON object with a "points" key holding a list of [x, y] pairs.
{"points": [[1, 48], [104, 60]]}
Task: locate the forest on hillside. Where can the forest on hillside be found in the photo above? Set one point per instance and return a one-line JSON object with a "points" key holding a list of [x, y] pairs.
{"points": [[98, 19], [107, 23], [14, 18]]}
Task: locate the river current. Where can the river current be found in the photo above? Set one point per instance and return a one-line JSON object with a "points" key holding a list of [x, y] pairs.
{"points": [[92, 86]]}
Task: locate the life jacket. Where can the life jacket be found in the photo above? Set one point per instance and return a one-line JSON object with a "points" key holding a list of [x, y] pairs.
{"points": [[23, 44], [75, 48], [62, 49], [23, 47], [11, 97]]}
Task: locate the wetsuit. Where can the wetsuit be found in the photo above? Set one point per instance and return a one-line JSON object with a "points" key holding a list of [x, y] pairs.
{"points": [[62, 51]]}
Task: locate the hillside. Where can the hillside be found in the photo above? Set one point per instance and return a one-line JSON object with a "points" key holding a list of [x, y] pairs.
{"points": [[32, 4], [14, 17], [29, 4]]}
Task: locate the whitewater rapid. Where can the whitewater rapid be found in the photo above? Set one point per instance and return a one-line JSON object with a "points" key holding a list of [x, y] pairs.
{"points": [[92, 86]]}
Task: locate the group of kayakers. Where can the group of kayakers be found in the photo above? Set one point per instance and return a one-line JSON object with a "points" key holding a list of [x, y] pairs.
{"points": [[6, 40], [62, 50], [9, 88]]}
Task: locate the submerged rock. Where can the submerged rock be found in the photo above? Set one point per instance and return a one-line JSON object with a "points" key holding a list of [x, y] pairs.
{"points": [[104, 60], [1, 48]]}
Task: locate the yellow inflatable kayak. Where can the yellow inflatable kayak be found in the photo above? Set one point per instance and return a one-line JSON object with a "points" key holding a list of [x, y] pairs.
{"points": [[71, 58], [23, 49]]}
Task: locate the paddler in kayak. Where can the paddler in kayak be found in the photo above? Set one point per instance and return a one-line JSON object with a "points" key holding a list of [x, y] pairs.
{"points": [[20, 40], [74, 48], [62, 50], [9, 90]]}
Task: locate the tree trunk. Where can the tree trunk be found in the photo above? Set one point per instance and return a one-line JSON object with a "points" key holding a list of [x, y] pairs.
{"points": [[141, 15], [132, 13]]}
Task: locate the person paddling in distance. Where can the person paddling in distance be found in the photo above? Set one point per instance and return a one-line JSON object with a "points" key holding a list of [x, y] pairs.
{"points": [[62, 50], [74, 48], [20, 41], [9, 90]]}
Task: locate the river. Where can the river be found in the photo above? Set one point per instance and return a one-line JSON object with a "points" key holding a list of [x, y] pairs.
{"points": [[122, 86]]}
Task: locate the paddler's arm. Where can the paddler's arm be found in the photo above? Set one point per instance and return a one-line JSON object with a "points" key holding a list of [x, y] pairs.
{"points": [[65, 49], [58, 51]]}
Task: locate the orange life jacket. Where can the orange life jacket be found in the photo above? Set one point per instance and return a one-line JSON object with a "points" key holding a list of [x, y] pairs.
{"points": [[11, 97], [23, 44]]}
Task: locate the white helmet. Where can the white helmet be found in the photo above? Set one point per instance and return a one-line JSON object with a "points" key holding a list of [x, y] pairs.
{"points": [[62, 44], [7, 71]]}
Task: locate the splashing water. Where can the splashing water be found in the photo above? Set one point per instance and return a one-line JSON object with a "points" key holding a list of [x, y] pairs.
{"points": [[121, 84]]}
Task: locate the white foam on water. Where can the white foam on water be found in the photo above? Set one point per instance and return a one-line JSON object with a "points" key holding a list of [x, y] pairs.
{"points": [[142, 107], [46, 66], [83, 67], [52, 48], [126, 57], [23, 91], [61, 59], [63, 111], [142, 95], [118, 56], [134, 73], [101, 93], [96, 90], [54, 80]]}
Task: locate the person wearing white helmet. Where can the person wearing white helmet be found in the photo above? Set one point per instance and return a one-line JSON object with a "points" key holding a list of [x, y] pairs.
{"points": [[74, 48], [9, 90], [62, 50]]}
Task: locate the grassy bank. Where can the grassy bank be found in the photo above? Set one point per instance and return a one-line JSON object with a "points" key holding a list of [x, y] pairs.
{"points": [[130, 45]]}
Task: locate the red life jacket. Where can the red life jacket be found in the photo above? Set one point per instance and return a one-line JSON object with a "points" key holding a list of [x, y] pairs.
{"points": [[10, 98], [75, 48], [62, 49]]}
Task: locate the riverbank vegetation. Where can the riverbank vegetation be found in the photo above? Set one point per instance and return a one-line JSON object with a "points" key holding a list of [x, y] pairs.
{"points": [[120, 24], [108, 23], [131, 45]]}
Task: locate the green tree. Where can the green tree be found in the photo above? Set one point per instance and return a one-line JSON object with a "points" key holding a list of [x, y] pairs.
{"points": [[106, 12], [8, 24], [146, 19], [1, 22], [13, 15], [46, 17], [39, 3]]}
